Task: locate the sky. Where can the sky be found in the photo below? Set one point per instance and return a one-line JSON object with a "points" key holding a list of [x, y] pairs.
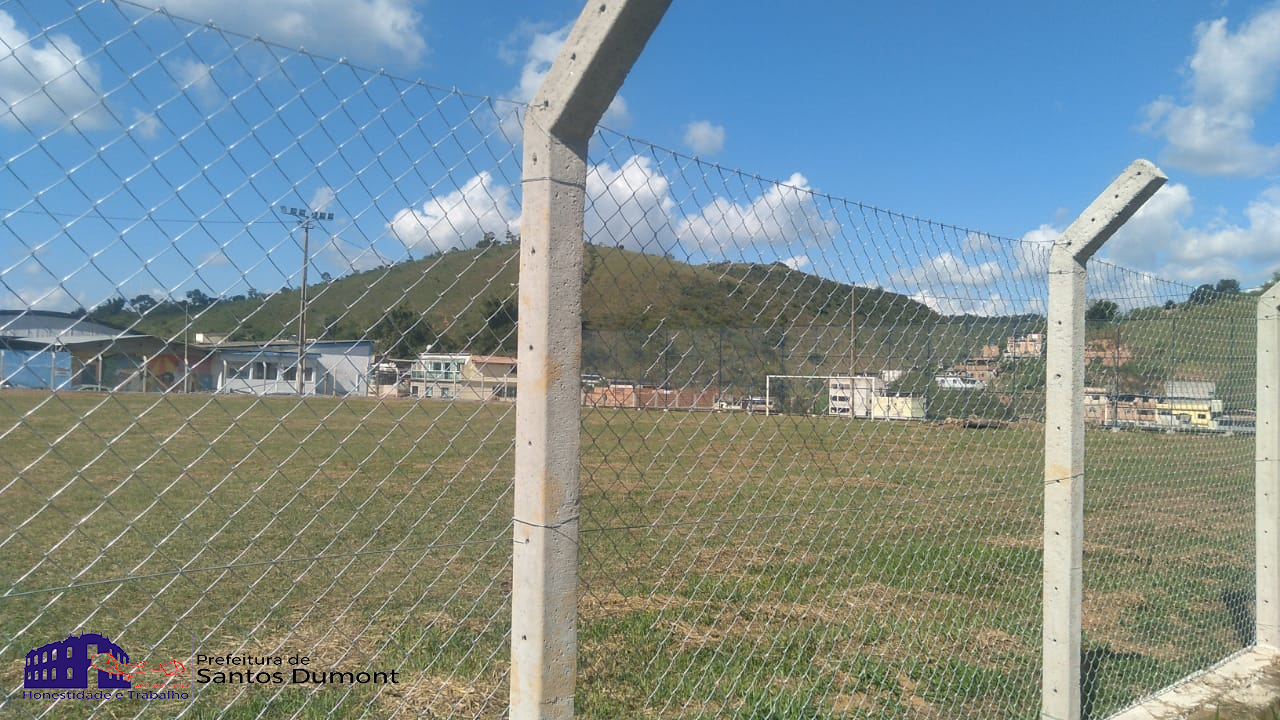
{"points": [[1006, 118]]}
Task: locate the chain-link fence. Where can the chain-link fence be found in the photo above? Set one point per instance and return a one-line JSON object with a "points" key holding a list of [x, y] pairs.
{"points": [[258, 347], [182, 206], [1170, 402], [811, 465]]}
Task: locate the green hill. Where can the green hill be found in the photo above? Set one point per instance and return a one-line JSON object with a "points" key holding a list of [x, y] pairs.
{"points": [[457, 292], [658, 320]]}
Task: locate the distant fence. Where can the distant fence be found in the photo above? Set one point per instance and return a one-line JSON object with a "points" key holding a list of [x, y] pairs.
{"points": [[788, 462]]}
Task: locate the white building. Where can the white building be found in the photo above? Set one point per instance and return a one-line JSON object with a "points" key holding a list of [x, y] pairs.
{"points": [[462, 376], [852, 396], [958, 382], [330, 367]]}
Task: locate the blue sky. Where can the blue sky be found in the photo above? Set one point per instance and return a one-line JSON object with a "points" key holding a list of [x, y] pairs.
{"points": [[1007, 118]]}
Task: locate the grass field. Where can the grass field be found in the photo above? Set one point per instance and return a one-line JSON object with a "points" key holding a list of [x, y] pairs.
{"points": [[732, 565]]}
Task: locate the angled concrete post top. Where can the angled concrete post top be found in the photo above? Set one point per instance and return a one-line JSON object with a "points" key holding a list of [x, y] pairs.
{"points": [[601, 48], [1110, 210]]}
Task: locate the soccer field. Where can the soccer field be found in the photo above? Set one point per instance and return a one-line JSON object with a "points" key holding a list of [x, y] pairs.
{"points": [[732, 565]]}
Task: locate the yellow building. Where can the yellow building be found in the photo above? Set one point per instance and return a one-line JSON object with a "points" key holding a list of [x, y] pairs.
{"points": [[897, 407], [1199, 413]]}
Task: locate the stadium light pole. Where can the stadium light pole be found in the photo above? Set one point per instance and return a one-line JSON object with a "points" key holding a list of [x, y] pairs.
{"points": [[306, 217]]}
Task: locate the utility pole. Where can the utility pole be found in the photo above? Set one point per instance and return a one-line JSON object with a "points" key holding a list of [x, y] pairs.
{"points": [[853, 328], [306, 218]]}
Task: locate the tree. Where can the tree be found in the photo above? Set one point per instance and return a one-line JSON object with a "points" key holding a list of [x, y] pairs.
{"points": [[1228, 286], [1102, 310], [114, 306], [142, 304], [402, 333], [1275, 278], [1202, 295], [197, 299], [499, 331]]}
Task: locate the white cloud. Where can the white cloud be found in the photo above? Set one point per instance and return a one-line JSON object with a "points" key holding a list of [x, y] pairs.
{"points": [[46, 81], [458, 219], [543, 48], [950, 270], [783, 215], [1045, 234], [366, 30], [542, 51], [1232, 77], [215, 258], [703, 138], [985, 276], [193, 75], [146, 124], [321, 198], [1157, 240], [797, 262], [988, 305], [1131, 289], [630, 206]]}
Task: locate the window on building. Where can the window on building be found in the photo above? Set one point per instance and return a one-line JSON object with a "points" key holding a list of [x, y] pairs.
{"points": [[428, 391], [308, 375], [444, 392]]}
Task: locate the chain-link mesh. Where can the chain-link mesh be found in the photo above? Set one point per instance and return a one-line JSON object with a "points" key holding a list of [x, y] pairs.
{"points": [[812, 430], [813, 452], [170, 191], [1169, 547]]}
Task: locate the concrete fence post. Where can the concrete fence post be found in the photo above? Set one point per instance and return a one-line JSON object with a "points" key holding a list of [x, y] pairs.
{"points": [[1267, 473], [1064, 433], [604, 43]]}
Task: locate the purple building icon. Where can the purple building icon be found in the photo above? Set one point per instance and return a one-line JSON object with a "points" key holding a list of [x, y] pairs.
{"points": [[66, 664]]}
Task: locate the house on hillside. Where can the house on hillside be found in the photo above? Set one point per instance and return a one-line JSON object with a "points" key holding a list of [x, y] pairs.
{"points": [[1030, 345], [959, 382], [462, 376], [1107, 352]]}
